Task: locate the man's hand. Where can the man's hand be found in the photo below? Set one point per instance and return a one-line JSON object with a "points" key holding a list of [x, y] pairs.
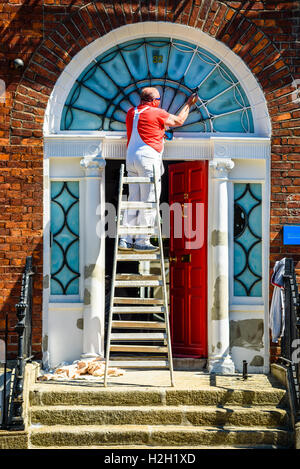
{"points": [[177, 121]]}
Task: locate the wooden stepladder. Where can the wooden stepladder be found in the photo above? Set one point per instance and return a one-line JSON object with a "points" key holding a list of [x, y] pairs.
{"points": [[138, 343]]}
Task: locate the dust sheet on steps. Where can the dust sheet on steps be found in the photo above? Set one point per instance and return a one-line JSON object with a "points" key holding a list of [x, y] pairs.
{"points": [[85, 369]]}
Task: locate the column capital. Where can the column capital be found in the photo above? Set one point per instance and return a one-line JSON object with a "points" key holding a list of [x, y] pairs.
{"points": [[221, 167], [93, 165]]}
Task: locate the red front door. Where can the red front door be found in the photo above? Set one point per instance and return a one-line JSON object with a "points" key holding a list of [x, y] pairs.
{"points": [[188, 258]]}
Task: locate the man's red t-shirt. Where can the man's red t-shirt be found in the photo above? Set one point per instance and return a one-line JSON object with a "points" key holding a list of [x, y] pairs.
{"points": [[151, 125]]}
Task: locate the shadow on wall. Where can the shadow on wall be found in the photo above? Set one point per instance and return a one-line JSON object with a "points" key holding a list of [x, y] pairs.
{"points": [[23, 30], [12, 275]]}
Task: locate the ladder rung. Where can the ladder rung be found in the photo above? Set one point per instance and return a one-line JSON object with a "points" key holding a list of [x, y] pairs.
{"points": [[138, 336], [138, 348], [137, 277], [140, 180], [137, 257], [137, 283], [141, 301], [137, 280], [132, 362], [132, 230], [137, 205], [138, 325], [138, 309]]}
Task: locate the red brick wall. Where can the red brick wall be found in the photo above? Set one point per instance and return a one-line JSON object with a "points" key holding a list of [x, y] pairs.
{"points": [[47, 34]]}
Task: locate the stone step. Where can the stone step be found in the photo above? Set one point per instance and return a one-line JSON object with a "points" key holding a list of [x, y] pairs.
{"points": [[165, 436], [159, 415], [60, 394], [151, 448]]}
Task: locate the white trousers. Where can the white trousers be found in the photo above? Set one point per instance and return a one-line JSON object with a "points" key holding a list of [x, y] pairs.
{"points": [[142, 166]]}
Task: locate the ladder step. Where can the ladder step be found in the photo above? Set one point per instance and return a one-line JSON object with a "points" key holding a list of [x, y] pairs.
{"points": [[134, 363], [132, 230], [137, 205], [140, 180], [138, 336], [137, 283], [140, 301], [137, 257], [137, 280], [138, 325], [138, 348], [137, 277], [138, 309]]}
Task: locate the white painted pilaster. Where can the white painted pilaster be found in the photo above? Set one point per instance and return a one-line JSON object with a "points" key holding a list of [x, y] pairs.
{"points": [[94, 258], [219, 360]]}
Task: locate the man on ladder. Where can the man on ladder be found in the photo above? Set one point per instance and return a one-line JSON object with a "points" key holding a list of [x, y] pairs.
{"points": [[145, 133]]}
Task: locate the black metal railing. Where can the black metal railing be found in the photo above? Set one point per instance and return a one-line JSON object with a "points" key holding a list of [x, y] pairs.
{"points": [[4, 374], [290, 342], [12, 408]]}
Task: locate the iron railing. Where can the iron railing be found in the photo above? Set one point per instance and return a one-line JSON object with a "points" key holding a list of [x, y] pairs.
{"points": [[12, 411], [4, 374], [290, 342]]}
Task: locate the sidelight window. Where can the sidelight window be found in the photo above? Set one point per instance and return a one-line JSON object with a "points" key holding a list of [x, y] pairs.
{"points": [[248, 239], [65, 238]]}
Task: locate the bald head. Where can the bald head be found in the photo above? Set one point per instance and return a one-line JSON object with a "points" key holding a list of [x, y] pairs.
{"points": [[148, 94]]}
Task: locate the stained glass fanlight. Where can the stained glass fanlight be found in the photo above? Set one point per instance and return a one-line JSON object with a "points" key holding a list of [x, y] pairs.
{"points": [[110, 85]]}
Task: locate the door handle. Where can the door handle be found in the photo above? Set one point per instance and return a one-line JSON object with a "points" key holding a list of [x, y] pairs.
{"points": [[183, 207], [173, 259], [186, 258]]}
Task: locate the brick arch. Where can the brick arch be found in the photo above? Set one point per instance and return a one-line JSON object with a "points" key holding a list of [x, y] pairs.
{"points": [[96, 19]]}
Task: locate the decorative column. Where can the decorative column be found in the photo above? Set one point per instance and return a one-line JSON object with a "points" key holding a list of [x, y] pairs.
{"points": [[219, 357], [94, 258]]}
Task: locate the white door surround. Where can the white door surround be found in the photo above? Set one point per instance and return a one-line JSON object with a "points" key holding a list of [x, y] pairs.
{"points": [[82, 155]]}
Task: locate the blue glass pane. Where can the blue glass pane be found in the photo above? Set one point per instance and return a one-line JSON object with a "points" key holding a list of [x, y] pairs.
{"points": [[107, 88], [180, 58], [197, 72], [224, 103], [136, 62], [239, 258], [91, 101], [233, 122], [157, 57], [247, 239], [64, 228], [116, 69], [213, 85], [81, 120]]}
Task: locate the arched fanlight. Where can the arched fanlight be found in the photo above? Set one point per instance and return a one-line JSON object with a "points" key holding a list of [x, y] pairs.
{"points": [[110, 85]]}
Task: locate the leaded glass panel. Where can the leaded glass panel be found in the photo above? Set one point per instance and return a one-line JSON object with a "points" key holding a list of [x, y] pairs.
{"points": [[64, 238], [108, 87], [247, 239]]}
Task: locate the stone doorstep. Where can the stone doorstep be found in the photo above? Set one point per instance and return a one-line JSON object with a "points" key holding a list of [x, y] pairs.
{"points": [[166, 436], [192, 390], [151, 448], [159, 415], [64, 395], [13, 439]]}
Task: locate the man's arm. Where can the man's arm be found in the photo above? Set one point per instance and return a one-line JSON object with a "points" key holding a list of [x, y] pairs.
{"points": [[177, 121]]}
